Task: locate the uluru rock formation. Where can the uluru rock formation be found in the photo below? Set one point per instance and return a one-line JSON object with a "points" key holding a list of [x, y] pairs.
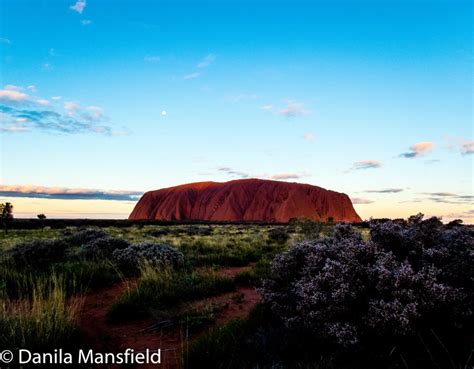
{"points": [[244, 200]]}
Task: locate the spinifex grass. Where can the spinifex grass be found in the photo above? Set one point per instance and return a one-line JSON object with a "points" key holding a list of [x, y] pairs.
{"points": [[160, 289], [44, 320]]}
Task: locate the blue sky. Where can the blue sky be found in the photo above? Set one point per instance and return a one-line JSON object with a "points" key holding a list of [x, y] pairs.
{"points": [[102, 100]]}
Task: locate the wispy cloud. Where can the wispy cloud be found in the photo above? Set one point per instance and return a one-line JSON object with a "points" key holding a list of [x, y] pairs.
{"points": [[418, 149], [309, 136], [43, 101], [469, 214], [276, 176], [86, 22], [361, 201], [440, 194], [267, 107], [467, 147], [24, 119], [47, 66], [13, 88], [293, 109], [21, 112], [204, 63], [63, 193], [282, 176], [79, 6], [71, 106], [207, 61], [449, 197], [460, 144], [4, 40], [233, 172], [12, 95], [367, 164], [241, 97], [386, 190], [152, 58], [191, 76]]}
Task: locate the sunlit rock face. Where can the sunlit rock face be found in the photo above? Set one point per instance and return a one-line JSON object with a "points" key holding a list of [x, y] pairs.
{"points": [[245, 200]]}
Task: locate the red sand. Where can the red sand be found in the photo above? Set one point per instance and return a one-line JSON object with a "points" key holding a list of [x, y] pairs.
{"points": [[173, 341], [245, 200]]}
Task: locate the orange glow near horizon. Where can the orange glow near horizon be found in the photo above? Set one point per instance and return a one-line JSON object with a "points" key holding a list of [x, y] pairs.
{"points": [[25, 207], [110, 209]]}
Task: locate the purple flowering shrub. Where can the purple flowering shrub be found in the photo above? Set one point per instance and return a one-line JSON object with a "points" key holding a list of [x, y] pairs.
{"points": [[38, 253], [103, 247], [407, 276], [85, 236], [161, 255]]}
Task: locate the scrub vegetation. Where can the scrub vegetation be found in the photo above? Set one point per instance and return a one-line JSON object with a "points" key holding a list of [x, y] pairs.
{"points": [[389, 293]]}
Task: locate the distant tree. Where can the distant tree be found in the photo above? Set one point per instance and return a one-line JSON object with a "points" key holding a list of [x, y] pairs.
{"points": [[308, 228], [455, 223], [6, 211], [41, 218]]}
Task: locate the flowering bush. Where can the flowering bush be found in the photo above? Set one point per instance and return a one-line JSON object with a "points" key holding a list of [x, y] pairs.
{"points": [[38, 253], [103, 247], [342, 289], [86, 235], [129, 259]]}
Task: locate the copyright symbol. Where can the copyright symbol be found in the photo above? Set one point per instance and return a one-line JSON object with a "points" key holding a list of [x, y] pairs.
{"points": [[6, 356]]}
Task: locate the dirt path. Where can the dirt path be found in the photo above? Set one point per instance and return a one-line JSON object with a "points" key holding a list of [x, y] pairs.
{"points": [[173, 339]]}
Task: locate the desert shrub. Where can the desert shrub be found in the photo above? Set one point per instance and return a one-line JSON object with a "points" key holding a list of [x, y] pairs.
{"points": [[308, 228], [158, 232], [455, 223], [86, 235], [410, 280], [128, 259], [278, 235], [194, 230], [103, 247], [38, 253]]}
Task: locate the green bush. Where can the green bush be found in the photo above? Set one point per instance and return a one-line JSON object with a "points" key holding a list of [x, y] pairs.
{"points": [[278, 235]]}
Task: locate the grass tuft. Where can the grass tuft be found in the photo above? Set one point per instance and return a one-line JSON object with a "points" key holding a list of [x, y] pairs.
{"points": [[45, 320], [158, 289]]}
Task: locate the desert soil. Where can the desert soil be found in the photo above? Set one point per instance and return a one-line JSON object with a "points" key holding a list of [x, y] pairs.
{"points": [[172, 339]]}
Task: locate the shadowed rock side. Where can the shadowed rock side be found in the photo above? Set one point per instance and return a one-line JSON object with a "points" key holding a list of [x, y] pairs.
{"points": [[244, 200]]}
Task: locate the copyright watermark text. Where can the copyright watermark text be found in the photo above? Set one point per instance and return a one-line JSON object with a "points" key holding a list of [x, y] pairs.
{"points": [[61, 357]]}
